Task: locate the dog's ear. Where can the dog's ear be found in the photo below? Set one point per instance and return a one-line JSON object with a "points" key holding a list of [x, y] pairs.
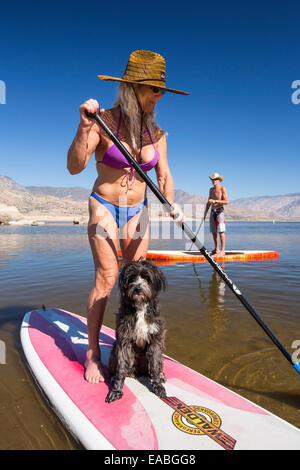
{"points": [[122, 276], [163, 282], [124, 273], [160, 280]]}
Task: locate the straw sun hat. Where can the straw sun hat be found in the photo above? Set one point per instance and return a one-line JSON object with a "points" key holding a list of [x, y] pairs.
{"points": [[216, 176], [145, 68]]}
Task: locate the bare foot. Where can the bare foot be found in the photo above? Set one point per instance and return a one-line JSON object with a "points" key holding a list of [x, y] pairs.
{"points": [[215, 252], [93, 371], [221, 253]]}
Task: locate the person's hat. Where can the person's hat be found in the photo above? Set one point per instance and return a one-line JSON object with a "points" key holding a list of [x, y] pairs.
{"points": [[145, 68], [216, 176]]}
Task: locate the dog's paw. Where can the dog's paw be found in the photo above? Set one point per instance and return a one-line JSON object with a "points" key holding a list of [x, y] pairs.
{"points": [[113, 395], [162, 377], [159, 390]]}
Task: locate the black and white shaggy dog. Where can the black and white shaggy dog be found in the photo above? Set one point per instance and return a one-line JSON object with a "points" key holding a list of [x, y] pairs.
{"points": [[140, 332]]}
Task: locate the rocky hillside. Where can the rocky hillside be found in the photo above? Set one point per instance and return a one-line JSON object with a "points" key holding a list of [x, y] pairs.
{"points": [[76, 193], [38, 205], [286, 206], [72, 203]]}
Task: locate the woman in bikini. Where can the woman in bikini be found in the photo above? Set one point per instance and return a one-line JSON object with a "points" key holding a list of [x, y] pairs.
{"points": [[118, 204]]}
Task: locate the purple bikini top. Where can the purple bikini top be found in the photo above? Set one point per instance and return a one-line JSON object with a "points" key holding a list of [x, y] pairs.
{"points": [[114, 158]]}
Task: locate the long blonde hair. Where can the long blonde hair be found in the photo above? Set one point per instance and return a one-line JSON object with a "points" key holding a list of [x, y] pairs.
{"points": [[131, 113]]}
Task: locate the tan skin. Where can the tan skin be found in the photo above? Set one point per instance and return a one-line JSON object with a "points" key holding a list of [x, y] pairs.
{"points": [[217, 198], [111, 184]]}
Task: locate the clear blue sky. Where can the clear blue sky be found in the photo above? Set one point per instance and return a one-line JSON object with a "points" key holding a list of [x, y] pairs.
{"points": [[237, 59]]}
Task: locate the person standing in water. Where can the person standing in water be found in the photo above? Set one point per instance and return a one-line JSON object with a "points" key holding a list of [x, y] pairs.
{"points": [[216, 200], [118, 205]]}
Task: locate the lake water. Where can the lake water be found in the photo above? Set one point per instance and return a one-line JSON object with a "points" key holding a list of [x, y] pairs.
{"points": [[208, 329]]}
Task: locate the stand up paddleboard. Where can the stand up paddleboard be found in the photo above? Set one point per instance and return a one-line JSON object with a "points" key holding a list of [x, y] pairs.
{"points": [[197, 414], [196, 256]]}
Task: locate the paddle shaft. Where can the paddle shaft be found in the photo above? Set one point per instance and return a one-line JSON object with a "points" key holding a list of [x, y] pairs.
{"points": [[169, 208], [196, 233]]}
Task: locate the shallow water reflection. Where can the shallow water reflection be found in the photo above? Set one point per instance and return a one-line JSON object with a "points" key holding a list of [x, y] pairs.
{"points": [[208, 329]]}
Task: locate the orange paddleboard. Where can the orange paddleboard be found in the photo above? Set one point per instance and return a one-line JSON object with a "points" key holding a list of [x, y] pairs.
{"points": [[195, 255]]}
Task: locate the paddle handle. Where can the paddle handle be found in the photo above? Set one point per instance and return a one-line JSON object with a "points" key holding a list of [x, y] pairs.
{"points": [[169, 208]]}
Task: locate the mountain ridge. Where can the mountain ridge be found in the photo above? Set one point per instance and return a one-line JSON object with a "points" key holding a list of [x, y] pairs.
{"points": [[73, 201]]}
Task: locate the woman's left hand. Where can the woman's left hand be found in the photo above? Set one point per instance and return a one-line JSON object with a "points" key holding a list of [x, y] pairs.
{"points": [[177, 214]]}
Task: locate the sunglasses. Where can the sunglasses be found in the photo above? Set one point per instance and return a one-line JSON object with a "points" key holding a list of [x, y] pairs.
{"points": [[156, 90]]}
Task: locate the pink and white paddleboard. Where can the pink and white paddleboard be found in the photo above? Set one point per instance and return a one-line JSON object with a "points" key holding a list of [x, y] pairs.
{"points": [[198, 413]]}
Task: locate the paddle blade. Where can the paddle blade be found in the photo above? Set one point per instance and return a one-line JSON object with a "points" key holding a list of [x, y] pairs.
{"points": [[297, 368]]}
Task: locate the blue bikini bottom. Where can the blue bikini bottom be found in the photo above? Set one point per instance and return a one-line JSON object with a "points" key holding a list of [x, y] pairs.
{"points": [[121, 214]]}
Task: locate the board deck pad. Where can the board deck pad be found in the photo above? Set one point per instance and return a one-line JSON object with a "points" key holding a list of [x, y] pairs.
{"points": [[196, 256], [198, 413]]}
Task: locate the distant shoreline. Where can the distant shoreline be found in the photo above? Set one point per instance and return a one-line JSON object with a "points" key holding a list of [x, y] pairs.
{"points": [[81, 220], [20, 203]]}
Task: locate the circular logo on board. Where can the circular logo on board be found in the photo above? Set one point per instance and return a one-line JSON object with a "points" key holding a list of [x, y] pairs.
{"points": [[184, 425]]}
